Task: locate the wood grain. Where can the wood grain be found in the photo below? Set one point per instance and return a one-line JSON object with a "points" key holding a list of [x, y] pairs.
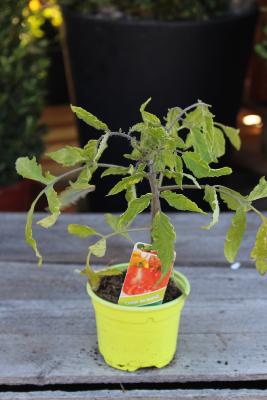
{"points": [[195, 246], [47, 330], [204, 394]]}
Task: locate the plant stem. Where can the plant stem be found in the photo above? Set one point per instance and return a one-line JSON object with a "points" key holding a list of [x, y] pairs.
{"points": [[155, 204], [103, 165], [176, 187], [145, 228], [184, 111]]}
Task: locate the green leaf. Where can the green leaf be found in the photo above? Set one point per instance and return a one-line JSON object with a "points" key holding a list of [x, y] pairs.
{"points": [[89, 118], [53, 206], [235, 234], [149, 118], [259, 191], [172, 120], [200, 145], [130, 194], [125, 183], [180, 202], [219, 143], [233, 199], [99, 248], [90, 150], [232, 134], [67, 156], [170, 159], [102, 147], [74, 193], [28, 231], [200, 168], [115, 171], [109, 272], [163, 235], [116, 226], [193, 179], [82, 230], [112, 221], [135, 207], [259, 251], [28, 168], [211, 198]]}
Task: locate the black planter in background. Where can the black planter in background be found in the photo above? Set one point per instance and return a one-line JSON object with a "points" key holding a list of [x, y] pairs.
{"points": [[117, 64]]}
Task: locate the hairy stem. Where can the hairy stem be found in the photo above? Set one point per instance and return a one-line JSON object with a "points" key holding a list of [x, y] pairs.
{"points": [[155, 204], [176, 187], [184, 111]]}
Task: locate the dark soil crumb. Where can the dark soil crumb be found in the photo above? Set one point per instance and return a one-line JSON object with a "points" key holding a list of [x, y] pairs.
{"points": [[110, 288]]}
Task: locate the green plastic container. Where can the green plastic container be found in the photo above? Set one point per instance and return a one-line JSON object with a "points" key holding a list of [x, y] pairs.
{"points": [[130, 338]]}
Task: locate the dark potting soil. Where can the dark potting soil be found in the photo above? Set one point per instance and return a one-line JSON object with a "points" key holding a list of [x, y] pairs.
{"points": [[110, 288]]}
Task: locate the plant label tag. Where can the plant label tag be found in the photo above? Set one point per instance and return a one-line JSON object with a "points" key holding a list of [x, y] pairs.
{"points": [[143, 284]]}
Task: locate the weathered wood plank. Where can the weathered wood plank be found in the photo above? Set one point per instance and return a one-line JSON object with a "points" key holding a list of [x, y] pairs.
{"points": [[47, 333], [194, 245], [204, 394]]}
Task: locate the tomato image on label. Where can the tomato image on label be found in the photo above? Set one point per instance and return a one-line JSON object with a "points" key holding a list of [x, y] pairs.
{"points": [[144, 276]]}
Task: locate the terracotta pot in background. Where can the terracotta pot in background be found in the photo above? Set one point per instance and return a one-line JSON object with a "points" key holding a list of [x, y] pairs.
{"points": [[19, 196]]}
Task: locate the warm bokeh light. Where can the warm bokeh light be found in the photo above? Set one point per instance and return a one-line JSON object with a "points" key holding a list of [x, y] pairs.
{"points": [[252, 120]]}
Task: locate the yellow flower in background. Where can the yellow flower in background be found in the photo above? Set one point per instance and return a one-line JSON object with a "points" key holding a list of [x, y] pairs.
{"points": [[39, 12], [35, 5]]}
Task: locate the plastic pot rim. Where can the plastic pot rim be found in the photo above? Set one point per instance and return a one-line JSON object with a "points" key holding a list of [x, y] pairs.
{"points": [[133, 309]]}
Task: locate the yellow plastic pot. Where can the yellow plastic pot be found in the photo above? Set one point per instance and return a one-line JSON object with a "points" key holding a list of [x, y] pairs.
{"points": [[136, 337]]}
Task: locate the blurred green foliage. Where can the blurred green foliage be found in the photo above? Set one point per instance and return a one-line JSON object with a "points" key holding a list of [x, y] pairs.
{"points": [[261, 48], [160, 9], [23, 63]]}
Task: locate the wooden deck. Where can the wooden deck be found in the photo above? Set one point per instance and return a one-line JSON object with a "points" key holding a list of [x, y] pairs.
{"points": [[48, 344]]}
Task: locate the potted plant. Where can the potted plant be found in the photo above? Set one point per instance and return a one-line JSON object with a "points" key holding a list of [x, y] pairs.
{"points": [[121, 52], [172, 157], [22, 77]]}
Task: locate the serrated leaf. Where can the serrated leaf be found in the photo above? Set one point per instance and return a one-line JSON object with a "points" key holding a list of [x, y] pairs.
{"points": [[200, 145], [28, 232], [232, 134], [235, 234], [163, 235], [28, 168], [135, 207], [74, 193], [82, 230], [193, 179], [170, 159], [130, 194], [53, 206], [90, 150], [180, 202], [149, 118], [115, 171], [99, 248], [259, 191], [259, 251], [89, 118], [102, 147], [200, 168], [219, 143], [67, 156], [233, 199], [172, 123], [113, 222], [125, 183], [135, 155], [139, 127], [211, 198]]}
